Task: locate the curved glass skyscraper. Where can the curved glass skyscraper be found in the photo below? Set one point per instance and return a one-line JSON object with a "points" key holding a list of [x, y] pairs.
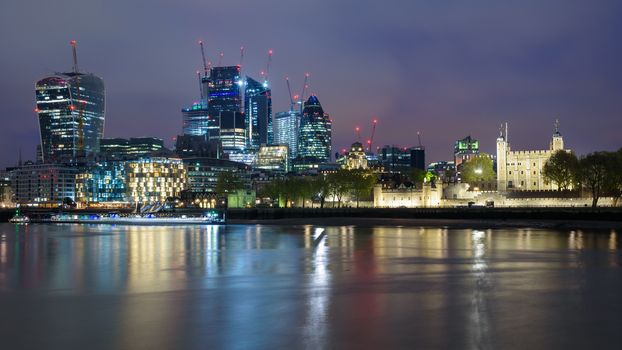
{"points": [[71, 110], [314, 143]]}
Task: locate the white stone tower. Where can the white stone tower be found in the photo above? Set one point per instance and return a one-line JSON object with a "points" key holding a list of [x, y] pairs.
{"points": [[557, 142], [502, 151]]}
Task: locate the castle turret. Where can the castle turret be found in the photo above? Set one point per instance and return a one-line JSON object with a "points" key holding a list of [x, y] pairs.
{"points": [[502, 152], [557, 142]]}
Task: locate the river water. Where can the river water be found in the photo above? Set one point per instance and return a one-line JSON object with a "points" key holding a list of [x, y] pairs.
{"points": [[313, 287]]}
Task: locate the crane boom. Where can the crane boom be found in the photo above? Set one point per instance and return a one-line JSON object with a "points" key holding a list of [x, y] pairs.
{"points": [[75, 56], [373, 132], [291, 99], [222, 54], [268, 65], [200, 84], [302, 94], [241, 55], [205, 68]]}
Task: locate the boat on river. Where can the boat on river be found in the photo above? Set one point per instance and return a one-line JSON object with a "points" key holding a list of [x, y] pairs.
{"points": [[19, 219], [136, 219]]}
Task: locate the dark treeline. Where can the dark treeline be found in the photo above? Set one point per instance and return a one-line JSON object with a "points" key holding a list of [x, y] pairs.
{"points": [[599, 173]]}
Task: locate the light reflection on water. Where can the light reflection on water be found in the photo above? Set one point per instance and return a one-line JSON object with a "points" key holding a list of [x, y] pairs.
{"points": [[253, 286]]}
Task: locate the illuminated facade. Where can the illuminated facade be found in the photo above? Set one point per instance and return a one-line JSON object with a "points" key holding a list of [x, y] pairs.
{"points": [[130, 148], [465, 149], [356, 158], [315, 133], [286, 130], [273, 158], [70, 107], [395, 158], [225, 93], [522, 170], [196, 120], [232, 134], [43, 184], [155, 179], [102, 182], [407, 197], [258, 109], [202, 175]]}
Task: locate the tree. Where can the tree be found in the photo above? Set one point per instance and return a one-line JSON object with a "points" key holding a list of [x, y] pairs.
{"points": [[362, 182], [478, 169], [228, 182], [321, 189], [593, 172], [614, 176], [561, 168], [339, 184]]}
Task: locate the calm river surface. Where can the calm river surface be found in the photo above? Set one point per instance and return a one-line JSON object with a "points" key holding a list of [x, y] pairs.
{"points": [[314, 287]]}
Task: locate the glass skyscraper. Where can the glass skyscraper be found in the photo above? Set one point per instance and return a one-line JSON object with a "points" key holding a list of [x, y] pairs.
{"points": [[314, 144], [258, 109], [196, 120], [286, 126], [70, 107], [224, 93]]}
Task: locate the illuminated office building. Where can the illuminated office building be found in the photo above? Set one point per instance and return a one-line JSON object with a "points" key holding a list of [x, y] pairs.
{"points": [[43, 184], [154, 179], [119, 148], [225, 93], [258, 109], [396, 158], [286, 129], [232, 131], [273, 157], [102, 182], [465, 149], [315, 133], [70, 107], [196, 120]]}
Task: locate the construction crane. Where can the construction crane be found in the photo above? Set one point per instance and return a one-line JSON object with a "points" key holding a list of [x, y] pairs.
{"points": [[205, 67], [81, 103], [419, 138], [291, 99], [370, 142], [302, 94], [358, 133], [220, 56], [265, 83], [200, 84], [241, 55]]}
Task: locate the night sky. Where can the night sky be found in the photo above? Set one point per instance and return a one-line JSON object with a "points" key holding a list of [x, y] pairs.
{"points": [[446, 68]]}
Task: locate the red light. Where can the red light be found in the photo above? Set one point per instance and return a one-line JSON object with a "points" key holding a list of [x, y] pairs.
{"points": [[375, 121], [270, 52], [200, 42], [36, 110], [369, 141], [72, 107]]}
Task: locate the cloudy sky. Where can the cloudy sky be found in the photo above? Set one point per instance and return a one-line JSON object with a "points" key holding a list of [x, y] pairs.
{"points": [[445, 68]]}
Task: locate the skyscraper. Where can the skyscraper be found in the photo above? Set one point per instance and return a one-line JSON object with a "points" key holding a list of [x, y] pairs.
{"points": [[224, 93], [286, 127], [70, 107], [258, 109], [315, 133], [232, 131], [196, 120]]}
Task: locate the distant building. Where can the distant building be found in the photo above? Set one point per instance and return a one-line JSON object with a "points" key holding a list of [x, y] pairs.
{"points": [[225, 93], [522, 170], [315, 140], [396, 158], [119, 148], [6, 192], [258, 109], [197, 122], [407, 197], [202, 174], [446, 171], [70, 107], [286, 130], [273, 157], [154, 179], [196, 146], [232, 134], [102, 182], [44, 185], [355, 158], [465, 149]]}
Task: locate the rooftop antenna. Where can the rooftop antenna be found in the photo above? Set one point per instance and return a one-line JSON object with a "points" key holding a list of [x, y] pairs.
{"points": [[556, 126], [419, 138], [506, 132], [75, 56], [205, 68], [241, 55]]}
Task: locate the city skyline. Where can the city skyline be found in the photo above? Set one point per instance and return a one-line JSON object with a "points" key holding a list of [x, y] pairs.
{"points": [[429, 75]]}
